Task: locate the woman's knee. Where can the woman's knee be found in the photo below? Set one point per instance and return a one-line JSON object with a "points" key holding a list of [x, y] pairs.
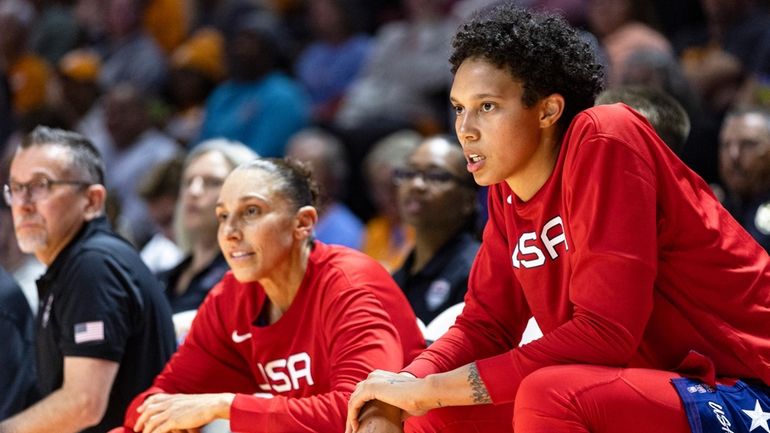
{"points": [[545, 385]]}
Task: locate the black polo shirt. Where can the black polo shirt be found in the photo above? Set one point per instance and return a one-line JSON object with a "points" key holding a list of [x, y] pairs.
{"points": [[443, 281], [17, 357], [99, 300], [753, 215], [199, 286]]}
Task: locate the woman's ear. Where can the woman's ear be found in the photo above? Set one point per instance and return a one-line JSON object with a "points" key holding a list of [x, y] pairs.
{"points": [[551, 109], [307, 217], [96, 195]]}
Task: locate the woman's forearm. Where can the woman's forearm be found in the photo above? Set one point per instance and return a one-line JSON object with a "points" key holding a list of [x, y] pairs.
{"points": [[460, 387]]}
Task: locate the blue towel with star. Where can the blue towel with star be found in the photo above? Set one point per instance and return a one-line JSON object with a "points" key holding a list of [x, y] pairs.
{"points": [[740, 408]]}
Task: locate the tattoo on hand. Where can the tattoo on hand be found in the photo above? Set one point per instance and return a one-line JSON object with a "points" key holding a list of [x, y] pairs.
{"points": [[480, 393]]}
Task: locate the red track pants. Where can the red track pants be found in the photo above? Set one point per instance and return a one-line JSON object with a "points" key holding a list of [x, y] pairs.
{"points": [[573, 398]]}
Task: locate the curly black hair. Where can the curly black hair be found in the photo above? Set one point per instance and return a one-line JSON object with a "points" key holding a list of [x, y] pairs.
{"points": [[539, 49]]}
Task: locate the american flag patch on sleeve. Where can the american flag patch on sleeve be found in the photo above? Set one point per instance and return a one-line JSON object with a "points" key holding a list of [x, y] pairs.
{"points": [[89, 331]]}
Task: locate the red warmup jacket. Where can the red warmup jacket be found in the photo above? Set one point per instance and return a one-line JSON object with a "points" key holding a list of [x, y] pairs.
{"points": [[624, 257], [348, 318]]}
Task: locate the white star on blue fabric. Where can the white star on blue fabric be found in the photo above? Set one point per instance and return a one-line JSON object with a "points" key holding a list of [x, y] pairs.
{"points": [[758, 417]]}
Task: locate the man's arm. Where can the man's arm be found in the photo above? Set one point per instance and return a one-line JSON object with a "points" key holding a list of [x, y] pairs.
{"points": [[80, 402]]}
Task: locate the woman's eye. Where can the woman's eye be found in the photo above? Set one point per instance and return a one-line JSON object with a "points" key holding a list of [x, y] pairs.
{"points": [[487, 106], [221, 217], [251, 211], [458, 110]]}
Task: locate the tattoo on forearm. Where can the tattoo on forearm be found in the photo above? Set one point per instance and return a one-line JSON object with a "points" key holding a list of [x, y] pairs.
{"points": [[480, 393]]}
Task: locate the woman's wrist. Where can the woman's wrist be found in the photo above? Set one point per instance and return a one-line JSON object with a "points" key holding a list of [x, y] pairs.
{"points": [[223, 404], [430, 394]]}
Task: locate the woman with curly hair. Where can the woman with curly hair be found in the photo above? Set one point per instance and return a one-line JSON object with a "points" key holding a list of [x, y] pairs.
{"points": [[651, 298]]}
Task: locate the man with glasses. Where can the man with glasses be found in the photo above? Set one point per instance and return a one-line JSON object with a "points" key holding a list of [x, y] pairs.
{"points": [[104, 328]]}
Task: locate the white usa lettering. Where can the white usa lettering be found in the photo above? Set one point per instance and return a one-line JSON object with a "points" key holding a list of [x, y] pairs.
{"points": [[282, 375], [719, 413], [527, 253]]}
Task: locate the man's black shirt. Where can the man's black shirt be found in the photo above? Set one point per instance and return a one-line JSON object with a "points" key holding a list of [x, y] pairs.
{"points": [[99, 300]]}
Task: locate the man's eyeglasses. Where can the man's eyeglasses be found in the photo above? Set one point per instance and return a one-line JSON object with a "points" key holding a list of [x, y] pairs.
{"points": [[433, 176], [38, 189]]}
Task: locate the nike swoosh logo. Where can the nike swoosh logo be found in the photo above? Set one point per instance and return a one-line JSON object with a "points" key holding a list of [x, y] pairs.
{"points": [[240, 338]]}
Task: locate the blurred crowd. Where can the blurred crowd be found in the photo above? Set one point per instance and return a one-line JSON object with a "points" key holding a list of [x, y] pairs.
{"points": [[177, 93], [350, 86]]}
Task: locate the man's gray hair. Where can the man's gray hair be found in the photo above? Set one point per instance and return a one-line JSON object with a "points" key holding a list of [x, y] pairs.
{"points": [[85, 157]]}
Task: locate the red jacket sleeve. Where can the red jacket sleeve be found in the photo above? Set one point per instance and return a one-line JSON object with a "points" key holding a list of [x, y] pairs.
{"points": [[361, 338], [610, 201], [356, 329], [204, 363], [495, 312]]}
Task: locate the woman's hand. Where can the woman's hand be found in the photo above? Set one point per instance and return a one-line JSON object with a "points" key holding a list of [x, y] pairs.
{"points": [[401, 390], [460, 387], [378, 417], [163, 413]]}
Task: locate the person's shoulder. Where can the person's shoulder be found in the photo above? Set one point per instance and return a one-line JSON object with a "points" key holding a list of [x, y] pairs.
{"points": [[460, 254], [103, 250], [353, 266], [615, 121], [606, 115], [11, 297], [339, 256], [468, 246], [104, 241]]}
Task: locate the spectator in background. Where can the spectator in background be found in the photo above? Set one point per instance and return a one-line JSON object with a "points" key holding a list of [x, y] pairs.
{"points": [[197, 66], [719, 53], [662, 71], [89, 14], [437, 196], [259, 105], [330, 63], [168, 22], [624, 27], [131, 54], [744, 163], [6, 109], [160, 190], [325, 154], [28, 74], [281, 341], [138, 146], [54, 31], [666, 115], [81, 102], [23, 268], [387, 239], [222, 15], [104, 329], [204, 171], [405, 81], [17, 377]]}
